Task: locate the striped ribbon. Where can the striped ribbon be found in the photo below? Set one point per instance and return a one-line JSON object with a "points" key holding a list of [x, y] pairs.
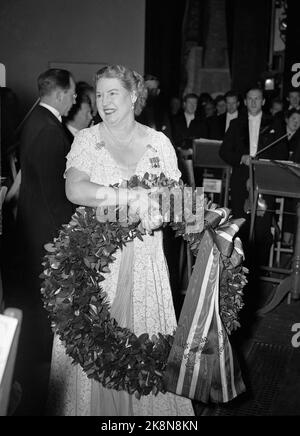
{"points": [[202, 364]]}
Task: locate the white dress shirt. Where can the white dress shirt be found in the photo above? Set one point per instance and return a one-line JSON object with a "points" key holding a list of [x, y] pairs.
{"points": [[52, 110], [254, 126], [189, 118], [230, 117]]}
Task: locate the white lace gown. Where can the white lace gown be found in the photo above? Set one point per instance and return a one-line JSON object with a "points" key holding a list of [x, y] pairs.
{"points": [[147, 308]]}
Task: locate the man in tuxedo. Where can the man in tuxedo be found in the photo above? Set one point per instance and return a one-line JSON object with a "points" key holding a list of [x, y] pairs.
{"points": [[249, 133], [43, 206], [217, 125], [187, 125]]}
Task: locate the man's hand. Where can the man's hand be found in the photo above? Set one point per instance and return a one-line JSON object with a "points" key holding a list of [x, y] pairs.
{"points": [[245, 159]]}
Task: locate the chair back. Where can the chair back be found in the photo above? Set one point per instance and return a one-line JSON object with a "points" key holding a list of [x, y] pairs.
{"points": [[206, 155], [186, 164]]}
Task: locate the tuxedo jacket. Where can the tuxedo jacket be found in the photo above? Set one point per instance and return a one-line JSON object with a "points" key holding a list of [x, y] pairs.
{"points": [[68, 133], [216, 126], [236, 141], [294, 146], [183, 135], [43, 206]]}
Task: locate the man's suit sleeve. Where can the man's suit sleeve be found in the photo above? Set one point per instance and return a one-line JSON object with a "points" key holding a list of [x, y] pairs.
{"points": [[229, 150], [51, 162]]}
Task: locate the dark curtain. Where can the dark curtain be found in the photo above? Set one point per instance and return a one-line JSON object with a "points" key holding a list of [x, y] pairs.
{"points": [[230, 16], [292, 51], [163, 42], [248, 30]]}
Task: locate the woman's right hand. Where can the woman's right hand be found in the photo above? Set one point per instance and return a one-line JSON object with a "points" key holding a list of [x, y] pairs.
{"points": [[147, 209]]}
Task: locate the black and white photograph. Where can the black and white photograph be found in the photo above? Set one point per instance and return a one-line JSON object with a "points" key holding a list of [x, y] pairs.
{"points": [[149, 210]]}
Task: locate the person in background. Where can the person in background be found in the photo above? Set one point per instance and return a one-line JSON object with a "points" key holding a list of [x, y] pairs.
{"points": [[155, 114], [209, 109], [85, 88], [80, 115], [42, 209], [276, 107], [248, 134], [292, 120], [220, 103], [187, 126], [292, 123], [204, 98], [217, 125], [293, 99], [175, 106]]}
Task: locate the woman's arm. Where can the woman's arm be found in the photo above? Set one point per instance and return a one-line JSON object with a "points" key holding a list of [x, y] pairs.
{"points": [[80, 190]]}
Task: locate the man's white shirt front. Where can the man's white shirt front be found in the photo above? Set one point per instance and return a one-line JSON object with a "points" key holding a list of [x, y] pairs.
{"points": [[189, 118], [254, 126]]}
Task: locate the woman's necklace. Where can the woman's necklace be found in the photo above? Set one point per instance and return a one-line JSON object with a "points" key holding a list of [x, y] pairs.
{"points": [[122, 142]]}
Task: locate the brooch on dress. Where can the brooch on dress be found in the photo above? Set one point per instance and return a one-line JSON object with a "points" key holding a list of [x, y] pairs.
{"points": [[154, 162], [100, 145]]}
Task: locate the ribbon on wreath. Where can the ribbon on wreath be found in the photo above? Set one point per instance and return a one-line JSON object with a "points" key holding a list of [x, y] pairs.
{"points": [[201, 363]]}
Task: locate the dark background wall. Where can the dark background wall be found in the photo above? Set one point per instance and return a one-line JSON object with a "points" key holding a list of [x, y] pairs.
{"points": [[163, 41], [248, 32], [292, 53], [248, 29], [36, 32]]}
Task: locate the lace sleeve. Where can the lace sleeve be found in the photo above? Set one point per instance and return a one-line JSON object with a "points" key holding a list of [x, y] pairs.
{"points": [[81, 153], [170, 159]]}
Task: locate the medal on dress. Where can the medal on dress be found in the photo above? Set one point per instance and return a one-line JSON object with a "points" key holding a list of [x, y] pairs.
{"points": [[154, 162]]}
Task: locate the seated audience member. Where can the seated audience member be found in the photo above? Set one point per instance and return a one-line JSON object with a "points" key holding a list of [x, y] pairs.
{"points": [[187, 126], [155, 114], [204, 98], [293, 99], [217, 125], [292, 119], [247, 134], [80, 114], [276, 107], [209, 109], [220, 103], [174, 106]]}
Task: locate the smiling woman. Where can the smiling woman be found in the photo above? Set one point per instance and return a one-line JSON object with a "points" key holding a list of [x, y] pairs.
{"points": [[103, 158]]}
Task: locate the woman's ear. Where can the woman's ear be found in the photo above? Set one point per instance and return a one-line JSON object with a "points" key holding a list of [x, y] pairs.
{"points": [[133, 97]]}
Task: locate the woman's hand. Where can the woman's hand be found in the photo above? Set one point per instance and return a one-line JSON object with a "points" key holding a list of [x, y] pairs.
{"points": [[146, 208]]}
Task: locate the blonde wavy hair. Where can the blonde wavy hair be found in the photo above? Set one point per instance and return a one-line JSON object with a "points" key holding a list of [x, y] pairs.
{"points": [[130, 79]]}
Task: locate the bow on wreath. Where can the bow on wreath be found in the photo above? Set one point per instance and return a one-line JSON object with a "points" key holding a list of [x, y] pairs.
{"points": [[201, 363]]}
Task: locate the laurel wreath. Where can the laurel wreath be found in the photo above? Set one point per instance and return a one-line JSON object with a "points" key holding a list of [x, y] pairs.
{"points": [[80, 312]]}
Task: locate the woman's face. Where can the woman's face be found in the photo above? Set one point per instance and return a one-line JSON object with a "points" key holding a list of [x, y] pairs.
{"points": [[113, 100], [293, 122]]}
